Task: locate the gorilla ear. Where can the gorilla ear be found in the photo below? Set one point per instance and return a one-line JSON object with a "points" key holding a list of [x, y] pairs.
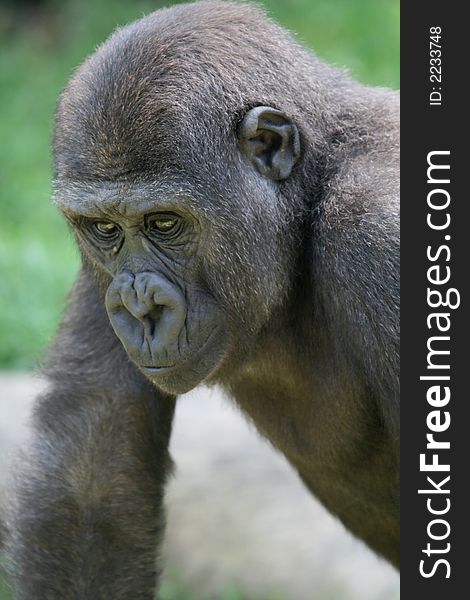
{"points": [[269, 139]]}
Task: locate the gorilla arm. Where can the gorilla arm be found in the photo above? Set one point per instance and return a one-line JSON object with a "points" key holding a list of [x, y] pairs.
{"points": [[88, 513]]}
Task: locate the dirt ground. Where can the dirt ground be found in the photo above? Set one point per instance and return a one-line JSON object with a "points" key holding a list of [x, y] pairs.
{"points": [[237, 514]]}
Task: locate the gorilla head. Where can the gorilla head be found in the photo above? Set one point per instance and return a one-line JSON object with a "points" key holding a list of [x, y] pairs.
{"points": [[179, 166]]}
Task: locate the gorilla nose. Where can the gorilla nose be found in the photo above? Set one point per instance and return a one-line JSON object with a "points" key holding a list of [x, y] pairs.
{"points": [[154, 302]]}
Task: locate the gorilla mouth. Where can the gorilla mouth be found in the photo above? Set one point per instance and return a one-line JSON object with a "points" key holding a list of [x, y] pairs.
{"points": [[191, 357], [158, 369]]}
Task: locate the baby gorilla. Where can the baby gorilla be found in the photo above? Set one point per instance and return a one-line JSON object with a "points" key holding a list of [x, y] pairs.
{"points": [[235, 201]]}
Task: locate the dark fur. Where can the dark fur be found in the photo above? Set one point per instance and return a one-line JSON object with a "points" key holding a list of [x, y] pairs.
{"points": [[298, 277]]}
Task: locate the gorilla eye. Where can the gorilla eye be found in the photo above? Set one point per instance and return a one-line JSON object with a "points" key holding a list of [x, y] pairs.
{"points": [[106, 229], [164, 224]]}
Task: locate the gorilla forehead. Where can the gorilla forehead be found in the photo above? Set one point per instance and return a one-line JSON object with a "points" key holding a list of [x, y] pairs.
{"points": [[176, 80]]}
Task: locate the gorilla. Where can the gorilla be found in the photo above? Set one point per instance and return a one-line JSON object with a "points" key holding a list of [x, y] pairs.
{"points": [[235, 201]]}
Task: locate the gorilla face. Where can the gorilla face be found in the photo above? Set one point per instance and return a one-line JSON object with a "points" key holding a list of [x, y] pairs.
{"points": [[170, 327], [158, 304], [183, 294]]}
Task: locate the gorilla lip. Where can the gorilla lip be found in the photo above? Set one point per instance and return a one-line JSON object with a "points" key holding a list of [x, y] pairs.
{"points": [[158, 369]]}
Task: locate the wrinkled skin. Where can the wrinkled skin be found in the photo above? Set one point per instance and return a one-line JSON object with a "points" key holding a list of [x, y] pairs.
{"points": [[235, 201]]}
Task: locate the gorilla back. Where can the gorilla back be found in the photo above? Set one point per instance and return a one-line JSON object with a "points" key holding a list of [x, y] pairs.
{"points": [[235, 201]]}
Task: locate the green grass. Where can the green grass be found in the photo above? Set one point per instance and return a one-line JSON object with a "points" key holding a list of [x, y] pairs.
{"points": [[38, 51]]}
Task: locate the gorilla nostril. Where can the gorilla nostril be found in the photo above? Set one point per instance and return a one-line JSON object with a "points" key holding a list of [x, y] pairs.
{"points": [[156, 312], [152, 318]]}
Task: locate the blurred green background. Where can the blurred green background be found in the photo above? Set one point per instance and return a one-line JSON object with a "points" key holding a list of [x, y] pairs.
{"points": [[40, 44]]}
